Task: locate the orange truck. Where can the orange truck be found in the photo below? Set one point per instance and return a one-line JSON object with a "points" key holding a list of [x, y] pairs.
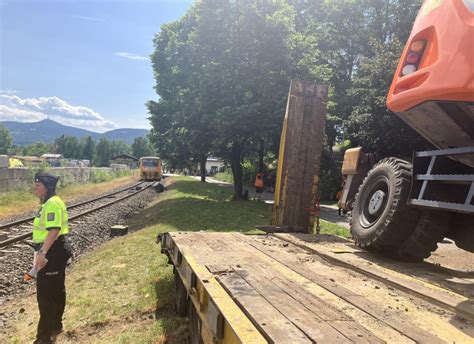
{"points": [[402, 208]]}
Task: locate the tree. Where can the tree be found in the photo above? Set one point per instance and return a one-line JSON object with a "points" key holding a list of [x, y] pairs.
{"points": [[102, 155], [181, 123], [371, 125], [118, 147], [223, 72], [68, 146], [141, 147], [5, 140], [243, 48], [88, 147], [37, 149]]}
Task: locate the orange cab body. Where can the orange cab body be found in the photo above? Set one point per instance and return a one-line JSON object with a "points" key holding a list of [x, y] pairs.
{"points": [[437, 99]]}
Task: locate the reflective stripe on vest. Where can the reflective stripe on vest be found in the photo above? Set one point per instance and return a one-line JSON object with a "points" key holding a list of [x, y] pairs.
{"points": [[52, 214]]}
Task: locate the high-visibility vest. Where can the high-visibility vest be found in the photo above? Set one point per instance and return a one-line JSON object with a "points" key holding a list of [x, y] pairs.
{"points": [[52, 214], [259, 181]]}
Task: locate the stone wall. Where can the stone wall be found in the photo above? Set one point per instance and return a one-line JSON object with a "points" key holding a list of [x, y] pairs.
{"points": [[17, 178]]}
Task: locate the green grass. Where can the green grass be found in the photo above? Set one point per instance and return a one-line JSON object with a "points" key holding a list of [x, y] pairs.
{"points": [[332, 228], [192, 206], [123, 292], [20, 201], [330, 202], [22, 195], [99, 176], [224, 177]]}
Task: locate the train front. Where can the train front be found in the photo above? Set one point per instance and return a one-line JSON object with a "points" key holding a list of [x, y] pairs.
{"points": [[150, 168]]}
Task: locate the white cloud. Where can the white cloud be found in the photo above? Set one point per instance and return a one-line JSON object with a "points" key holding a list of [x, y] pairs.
{"points": [[132, 56], [18, 115], [14, 108]]}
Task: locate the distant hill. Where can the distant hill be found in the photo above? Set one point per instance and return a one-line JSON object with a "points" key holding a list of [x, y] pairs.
{"points": [[127, 135], [47, 131]]}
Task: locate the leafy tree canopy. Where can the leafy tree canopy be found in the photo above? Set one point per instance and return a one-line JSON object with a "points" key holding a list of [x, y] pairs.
{"points": [[223, 70], [5, 140]]}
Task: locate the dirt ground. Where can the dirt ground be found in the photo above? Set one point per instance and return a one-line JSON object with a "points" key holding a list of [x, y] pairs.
{"points": [[450, 256]]}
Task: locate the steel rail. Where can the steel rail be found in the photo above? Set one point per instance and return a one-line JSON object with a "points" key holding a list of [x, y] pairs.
{"points": [[72, 218], [31, 218]]}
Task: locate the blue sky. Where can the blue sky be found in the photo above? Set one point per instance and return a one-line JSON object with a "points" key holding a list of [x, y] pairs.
{"points": [[83, 63]]}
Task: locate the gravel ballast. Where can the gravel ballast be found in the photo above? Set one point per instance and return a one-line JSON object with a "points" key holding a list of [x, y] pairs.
{"points": [[85, 234]]}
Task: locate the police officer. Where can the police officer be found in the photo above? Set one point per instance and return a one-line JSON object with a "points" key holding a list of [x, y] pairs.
{"points": [[53, 251]]}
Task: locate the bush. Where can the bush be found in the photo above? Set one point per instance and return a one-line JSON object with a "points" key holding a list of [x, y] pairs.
{"points": [[121, 173], [249, 171], [225, 176], [329, 185], [100, 176]]}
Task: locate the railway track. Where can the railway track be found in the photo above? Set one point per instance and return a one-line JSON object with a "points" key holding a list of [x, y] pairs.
{"points": [[19, 230]]}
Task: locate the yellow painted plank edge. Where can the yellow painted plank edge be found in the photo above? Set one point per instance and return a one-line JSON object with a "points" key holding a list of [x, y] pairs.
{"points": [[242, 327]]}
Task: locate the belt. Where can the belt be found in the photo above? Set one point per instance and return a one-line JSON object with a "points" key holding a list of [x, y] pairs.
{"points": [[61, 239]]}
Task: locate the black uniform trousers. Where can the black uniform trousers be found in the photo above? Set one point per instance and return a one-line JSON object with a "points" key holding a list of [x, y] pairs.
{"points": [[51, 290]]}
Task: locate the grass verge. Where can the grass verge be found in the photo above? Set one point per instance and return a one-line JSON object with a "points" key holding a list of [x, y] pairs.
{"points": [[334, 229], [23, 201], [123, 292], [224, 177]]}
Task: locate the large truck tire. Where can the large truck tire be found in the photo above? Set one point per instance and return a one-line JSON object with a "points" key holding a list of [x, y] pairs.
{"points": [[381, 219], [432, 228], [462, 231]]}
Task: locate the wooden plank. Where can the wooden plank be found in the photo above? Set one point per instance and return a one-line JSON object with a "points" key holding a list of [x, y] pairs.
{"points": [[304, 315], [283, 196], [305, 116], [344, 324], [297, 164], [292, 177], [233, 247], [309, 146], [455, 302], [237, 326], [229, 243], [360, 302], [275, 327]]}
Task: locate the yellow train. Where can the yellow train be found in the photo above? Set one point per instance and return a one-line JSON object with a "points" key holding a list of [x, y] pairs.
{"points": [[151, 168]]}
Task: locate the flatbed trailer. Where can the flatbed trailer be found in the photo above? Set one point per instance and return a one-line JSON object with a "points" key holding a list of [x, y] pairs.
{"points": [[303, 288]]}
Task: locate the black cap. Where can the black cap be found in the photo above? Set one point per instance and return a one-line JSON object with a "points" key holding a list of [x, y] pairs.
{"points": [[46, 179]]}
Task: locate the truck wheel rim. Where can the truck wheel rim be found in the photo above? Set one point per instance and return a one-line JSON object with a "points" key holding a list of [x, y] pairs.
{"points": [[374, 201]]}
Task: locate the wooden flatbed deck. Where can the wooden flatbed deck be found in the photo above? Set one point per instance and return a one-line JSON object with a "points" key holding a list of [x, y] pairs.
{"points": [[290, 288]]}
